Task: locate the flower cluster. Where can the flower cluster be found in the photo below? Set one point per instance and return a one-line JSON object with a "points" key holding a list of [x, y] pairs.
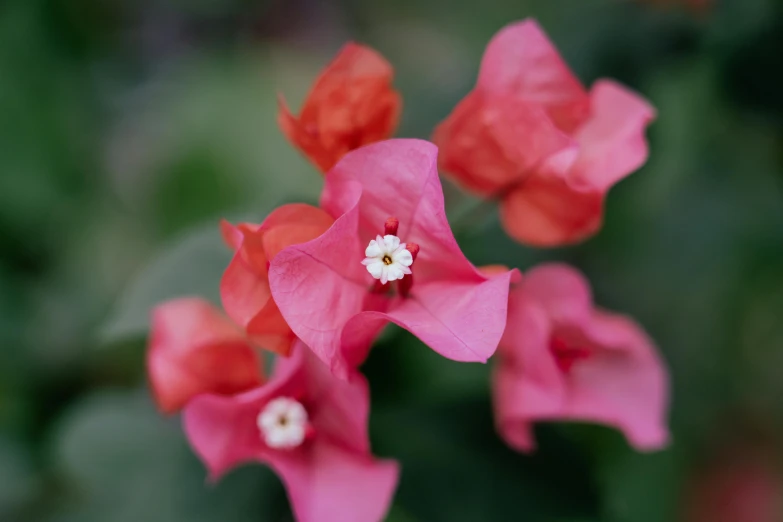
{"points": [[316, 285]]}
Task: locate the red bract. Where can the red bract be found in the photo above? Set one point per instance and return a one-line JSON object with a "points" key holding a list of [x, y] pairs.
{"points": [[244, 288], [351, 104], [194, 349], [563, 359], [335, 291], [530, 135], [311, 428]]}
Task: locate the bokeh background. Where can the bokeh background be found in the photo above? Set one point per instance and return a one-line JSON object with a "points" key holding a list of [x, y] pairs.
{"points": [[128, 128]]}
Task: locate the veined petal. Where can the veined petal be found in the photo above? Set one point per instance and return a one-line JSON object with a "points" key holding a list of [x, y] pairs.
{"points": [[317, 291]]}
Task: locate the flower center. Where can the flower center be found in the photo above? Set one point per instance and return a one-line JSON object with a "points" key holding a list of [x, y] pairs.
{"points": [[566, 354], [283, 423], [387, 259]]}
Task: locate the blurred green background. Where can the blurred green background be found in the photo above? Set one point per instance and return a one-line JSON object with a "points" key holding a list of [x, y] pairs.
{"points": [[129, 127]]}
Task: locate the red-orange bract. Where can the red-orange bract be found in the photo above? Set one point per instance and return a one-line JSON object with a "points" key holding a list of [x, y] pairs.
{"points": [[244, 288], [195, 349], [351, 104]]}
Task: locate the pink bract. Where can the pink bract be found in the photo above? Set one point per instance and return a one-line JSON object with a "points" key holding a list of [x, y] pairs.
{"points": [[326, 295], [563, 359], [530, 135], [331, 476]]}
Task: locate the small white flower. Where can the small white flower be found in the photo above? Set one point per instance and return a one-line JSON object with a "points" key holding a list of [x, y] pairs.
{"points": [[283, 423], [387, 259]]}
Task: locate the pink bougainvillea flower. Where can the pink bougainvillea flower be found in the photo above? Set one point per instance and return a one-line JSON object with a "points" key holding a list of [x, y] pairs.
{"points": [[563, 359], [530, 135], [311, 428], [195, 349], [244, 288], [335, 291], [351, 104]]}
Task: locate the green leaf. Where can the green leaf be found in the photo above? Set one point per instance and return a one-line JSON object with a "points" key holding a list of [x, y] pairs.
{"points": [[642, 487], [18, 483], [125, 463], [456, 469], [191, 265], [206, 140]]}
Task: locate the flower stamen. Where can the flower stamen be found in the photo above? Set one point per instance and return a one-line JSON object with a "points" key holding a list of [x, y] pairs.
{"points": [[387, 259], [566, 355]]}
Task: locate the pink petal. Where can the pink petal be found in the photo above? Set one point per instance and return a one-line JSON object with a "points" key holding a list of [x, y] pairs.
{"points": [[334, 485], [194, 349], [547, 212], [399, 178], [491, 142], [343, 406], [625, 385], [520, 60], [562, 291], [460, 321], [332, 477], [385, 179], [222, 431], [621, 382], [612, 142], [321, 284], [526, 384]]}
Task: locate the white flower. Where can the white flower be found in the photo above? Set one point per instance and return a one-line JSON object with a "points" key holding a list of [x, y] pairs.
{"points": [[283, 423], [387, 259]]}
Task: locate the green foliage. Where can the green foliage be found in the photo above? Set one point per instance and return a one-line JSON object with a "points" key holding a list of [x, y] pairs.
{"points": [[121, 462], [191, 265]]}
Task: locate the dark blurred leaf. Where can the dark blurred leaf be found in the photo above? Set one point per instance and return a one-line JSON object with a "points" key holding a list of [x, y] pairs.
{"points": [[123, 462], [456, 469], [202, 139], [642, 488], [18, 481], [192, 265]]}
